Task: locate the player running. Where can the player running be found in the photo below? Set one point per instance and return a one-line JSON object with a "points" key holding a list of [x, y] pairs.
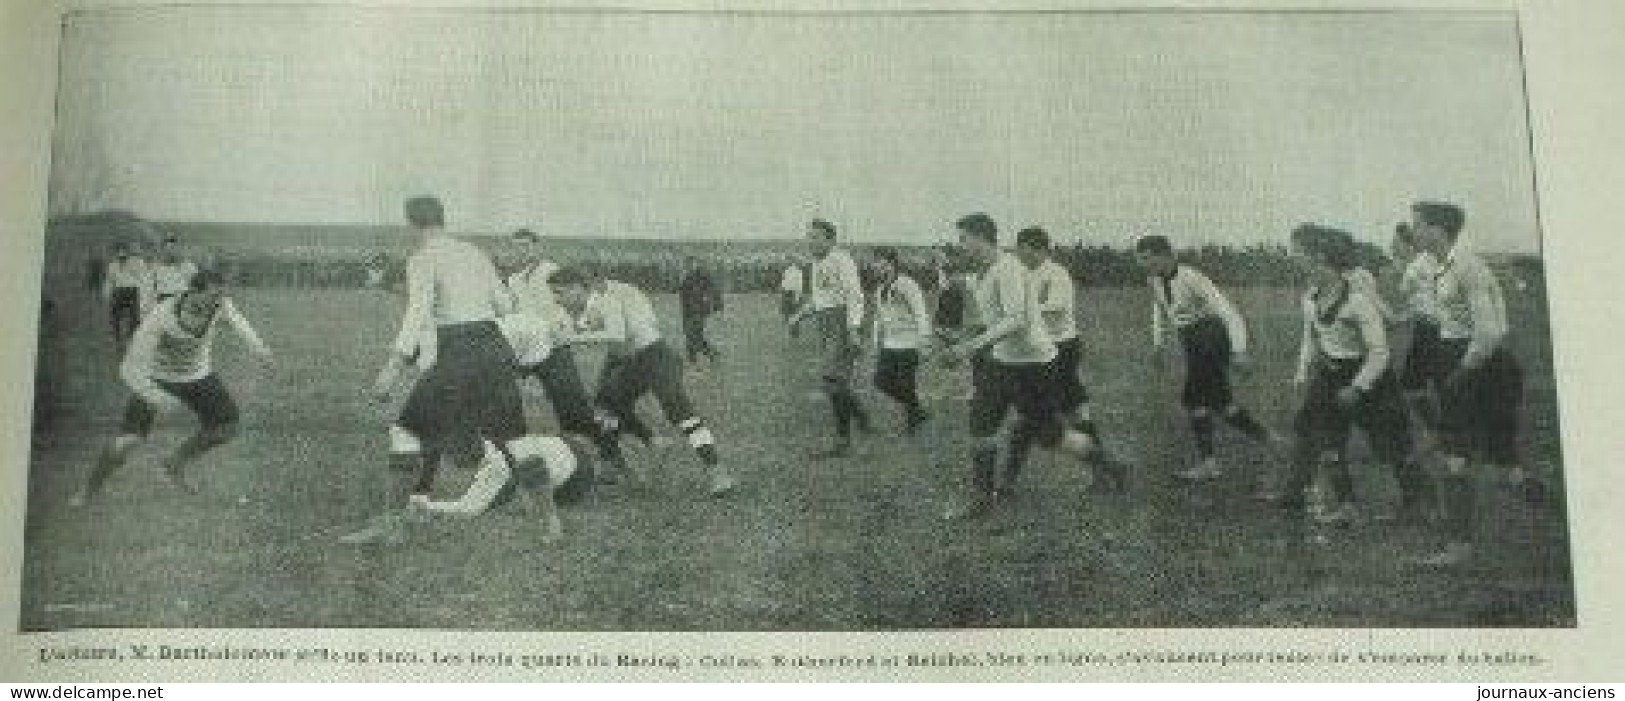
{"points": [[126, 288], [1015, 373], [169, 365], [835, 307], [467, 393], [1344, 364], [1056, 297], [638, 362], [1214, 336], [902, 327]]}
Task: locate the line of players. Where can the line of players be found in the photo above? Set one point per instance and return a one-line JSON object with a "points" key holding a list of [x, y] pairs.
{"points": [[465, 330]]}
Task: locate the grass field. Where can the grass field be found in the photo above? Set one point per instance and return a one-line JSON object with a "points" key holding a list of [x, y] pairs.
{"points": [[853, 545]]}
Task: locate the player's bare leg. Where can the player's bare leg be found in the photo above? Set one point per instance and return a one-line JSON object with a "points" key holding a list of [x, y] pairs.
{"points": [[112, 457], [205, 440]]}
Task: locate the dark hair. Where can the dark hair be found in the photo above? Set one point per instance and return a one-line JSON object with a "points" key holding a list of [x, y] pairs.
{"points": [[526, 235], [1154, 245], [824, 227], [204, 279], [425, 211], [1033, 237], [890, 255], [1404, 234], [1334, 247], [1444, 215], [980, 226]]}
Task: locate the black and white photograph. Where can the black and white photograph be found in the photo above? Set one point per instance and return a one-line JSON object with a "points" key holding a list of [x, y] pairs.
{"points": [[530, 320]]}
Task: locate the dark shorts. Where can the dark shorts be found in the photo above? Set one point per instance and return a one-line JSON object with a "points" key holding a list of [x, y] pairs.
{"points": [[1068, 362], [1324, 424], [657, 370], [1207, 365], [1479, 414], [897, 368], [471, 391], [1026, 387], [207, 398], [566, 393], [787, 303], [1425, 362], [837, 349]]}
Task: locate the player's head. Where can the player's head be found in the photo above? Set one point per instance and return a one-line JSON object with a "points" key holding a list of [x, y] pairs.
{"points": [[1437, 225], [821, 237], [1032, 246], [425, 212], [572, 285], [122, 249], [526, 246], [201, 300], [1403, 246], [1155, 254], [169, 245], [1329, 252], [979, 238], [888, 263]]}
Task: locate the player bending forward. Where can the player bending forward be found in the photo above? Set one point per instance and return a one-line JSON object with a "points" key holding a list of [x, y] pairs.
{"points": [[168, 366], [639, 362], [550, 470]]}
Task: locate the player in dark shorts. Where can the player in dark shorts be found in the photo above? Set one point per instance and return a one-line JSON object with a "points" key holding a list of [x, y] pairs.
{"points": [[638, 362], [466, 393], [168, 366], [1214, 337], [1016, 373], [126, 287], [1481, 394], [1425, 364], [835, 308], [1344, 364]]}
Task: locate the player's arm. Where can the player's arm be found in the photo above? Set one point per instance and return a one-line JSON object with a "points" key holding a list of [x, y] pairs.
{"points": [[1159, 316], [1375, 335], [1216, 300], [1010, 287], [1488, 329], [415, 342], [852, 292], [1306, 343], [915, 299], [135, 369], [245, 330]]}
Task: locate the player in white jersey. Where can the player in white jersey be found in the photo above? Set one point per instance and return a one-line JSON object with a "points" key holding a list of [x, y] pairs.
{"points": [[902, 327], [1425, 364], [126, 288], [557, 370], [1015, 371], [1481, 394], [1214, 336], [466, 392], [171, 271], [1344, 363], [835, 306], [638, 361], [1056, 296], [170, 365]]}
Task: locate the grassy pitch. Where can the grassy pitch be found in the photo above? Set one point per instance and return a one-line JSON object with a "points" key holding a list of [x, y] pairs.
{"points": [[845, 545]]}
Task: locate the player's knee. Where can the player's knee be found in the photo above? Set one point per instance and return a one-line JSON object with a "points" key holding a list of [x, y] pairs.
{"points": [[1200, 412]]}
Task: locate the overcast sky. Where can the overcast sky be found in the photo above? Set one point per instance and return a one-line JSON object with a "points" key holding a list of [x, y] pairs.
{"points": [[1227, 128]]}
